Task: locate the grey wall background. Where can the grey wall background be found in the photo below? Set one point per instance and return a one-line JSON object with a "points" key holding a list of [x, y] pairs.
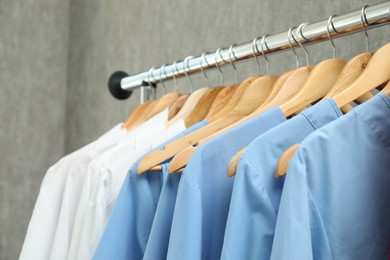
{"points": [[56, 56], [33, 84]]}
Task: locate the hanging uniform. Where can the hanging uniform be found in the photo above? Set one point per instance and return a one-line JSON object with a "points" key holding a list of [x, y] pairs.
{"points": [[256, 193], [335, 202], [204, 191], [106, 178], [58, 186], [128, 228]]}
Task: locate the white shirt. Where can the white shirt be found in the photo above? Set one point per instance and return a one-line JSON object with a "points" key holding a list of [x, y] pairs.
{"points": [[74, 181], [104, 180], [42, 227]]}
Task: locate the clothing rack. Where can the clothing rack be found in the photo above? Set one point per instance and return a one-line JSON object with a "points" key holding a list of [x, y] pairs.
{"points": [[121, 84]]}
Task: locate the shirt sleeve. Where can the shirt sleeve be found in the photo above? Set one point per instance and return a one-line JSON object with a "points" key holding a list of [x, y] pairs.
{"points": [[127, 230], [37, 243], [250, 213], [185, 240], [300, 231], [43, 222], [77, 244]]}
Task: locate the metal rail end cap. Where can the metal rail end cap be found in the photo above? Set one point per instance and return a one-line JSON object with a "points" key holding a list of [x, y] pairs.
{"points": [[114, 85]]}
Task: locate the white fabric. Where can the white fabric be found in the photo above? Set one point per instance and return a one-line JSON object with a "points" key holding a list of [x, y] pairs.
{"points": [[73, 182], [43, 223], [103, 182]]}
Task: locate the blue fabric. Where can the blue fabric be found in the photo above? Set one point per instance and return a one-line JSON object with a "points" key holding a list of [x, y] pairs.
{"points": [[256, 192], [127, 230], [204, 192], [335, 202], [157, 246]]}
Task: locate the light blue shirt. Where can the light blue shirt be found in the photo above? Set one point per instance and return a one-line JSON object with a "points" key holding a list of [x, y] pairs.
{"points": [[336, 197], [157, 246], [127, 230], [256, 192], [204, 192]]}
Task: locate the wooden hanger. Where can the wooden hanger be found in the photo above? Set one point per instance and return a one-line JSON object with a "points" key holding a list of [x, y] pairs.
{"points": [[376, 73], [199, 112], [233, 101], [351, 71], [203, 106], [281, 167], [221, 100], [236, 91], [165, 101], [292, 85], [277, 87], [177, 106], [142, 119], [188, 106], [138, 114], [321, 79], [364, 77], [278, 92], [223, 105], [232, 168], [157, 106], [248, 101]]}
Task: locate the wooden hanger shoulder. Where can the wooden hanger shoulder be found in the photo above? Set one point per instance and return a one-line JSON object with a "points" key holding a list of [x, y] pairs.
{"points": [[320, 81], [282, 165], [203, 106], [137, 113], [346, 83], [289, 85], [351, 71], [232, 168], [254, 95], [234, 98], [177, 106], [171, 149], [189, 106], [181, 159], [277, 87], [221, 100], [193, 138], [376, 73], [162, 103], [141, 119]]}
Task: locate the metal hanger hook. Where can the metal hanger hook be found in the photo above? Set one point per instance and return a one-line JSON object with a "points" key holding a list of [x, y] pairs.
{"points": [[289, 35], [264, 42], [363, 19], [330, 23], [162, 69], [231, 56], [299, 30], [186, 63], [175, 71], [255, 50], [203, 57], [151, 78], [217, 65]]}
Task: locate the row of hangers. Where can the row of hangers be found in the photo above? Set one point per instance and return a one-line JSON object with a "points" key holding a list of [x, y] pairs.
{"points": [[293, 91]]}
